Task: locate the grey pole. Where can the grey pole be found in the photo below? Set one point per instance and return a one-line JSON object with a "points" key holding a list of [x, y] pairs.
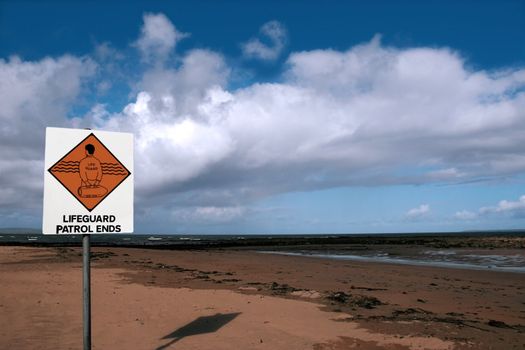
{"points": [[86, 284]]}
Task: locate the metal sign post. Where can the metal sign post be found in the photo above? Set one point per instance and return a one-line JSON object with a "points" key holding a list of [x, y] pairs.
{"points": [[86, 285]]}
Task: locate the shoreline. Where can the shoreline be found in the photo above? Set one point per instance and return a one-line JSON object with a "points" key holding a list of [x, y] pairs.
{"points": [[400, 261], [349, 303]]}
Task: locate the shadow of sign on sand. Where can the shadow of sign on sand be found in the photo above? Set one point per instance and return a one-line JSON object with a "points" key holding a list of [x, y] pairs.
{"points": [[201, 325]]}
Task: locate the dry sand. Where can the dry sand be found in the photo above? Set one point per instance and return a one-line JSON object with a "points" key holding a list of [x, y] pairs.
{"points": [[224, 299]]}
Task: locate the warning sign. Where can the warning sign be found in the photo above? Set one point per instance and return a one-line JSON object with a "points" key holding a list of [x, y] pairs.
{"points": [[90, 172], [88, 185]]}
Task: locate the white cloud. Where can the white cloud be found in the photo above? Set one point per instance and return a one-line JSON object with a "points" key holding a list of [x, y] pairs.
{"points": [[174, 141], [158, 37], [176, 92], [106, 52], [419, 212], [506, 206], [176, 152], [103, 87], [465, 215], [337, 119], [33, 95], [273, 31]]}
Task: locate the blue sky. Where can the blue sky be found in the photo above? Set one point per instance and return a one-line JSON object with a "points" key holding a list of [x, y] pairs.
{"points": [[277, 117], [489, 33]]}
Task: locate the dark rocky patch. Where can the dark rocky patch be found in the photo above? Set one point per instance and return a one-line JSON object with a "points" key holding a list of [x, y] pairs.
{"points": [[498, 324], [355, 300], [281, 288]]}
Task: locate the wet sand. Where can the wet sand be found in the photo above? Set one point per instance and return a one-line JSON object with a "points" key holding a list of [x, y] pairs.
{"points": [[241, 299]]}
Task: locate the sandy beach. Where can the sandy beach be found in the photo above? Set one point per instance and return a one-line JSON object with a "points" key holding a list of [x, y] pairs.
{"points": [[241, 299]]}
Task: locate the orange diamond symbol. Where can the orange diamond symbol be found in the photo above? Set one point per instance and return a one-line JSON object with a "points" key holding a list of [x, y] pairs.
{"points": [[90, 172]]}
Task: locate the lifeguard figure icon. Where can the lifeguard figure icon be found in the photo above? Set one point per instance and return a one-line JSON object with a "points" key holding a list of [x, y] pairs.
{"points": [[90, 172]]}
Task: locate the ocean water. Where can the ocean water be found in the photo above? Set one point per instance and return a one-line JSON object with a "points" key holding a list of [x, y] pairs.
{"points": [[509, 260], [100, 239]]}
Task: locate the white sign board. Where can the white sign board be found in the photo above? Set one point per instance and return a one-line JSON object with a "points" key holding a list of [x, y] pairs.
{"points": [[88, 182]]}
